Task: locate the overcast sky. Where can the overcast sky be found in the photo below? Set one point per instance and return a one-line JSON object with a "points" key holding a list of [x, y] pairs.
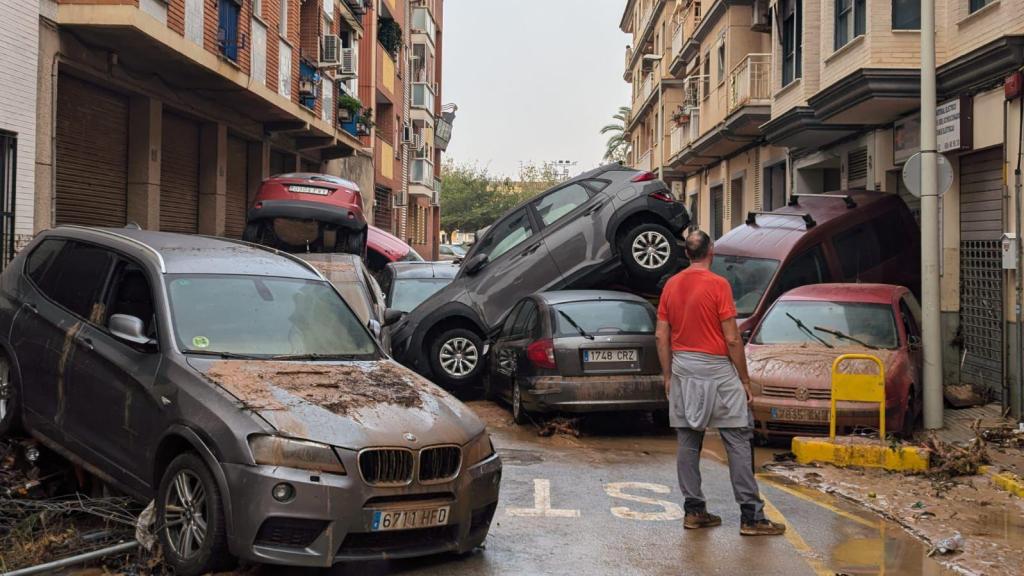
{"points": [[534, 79]]}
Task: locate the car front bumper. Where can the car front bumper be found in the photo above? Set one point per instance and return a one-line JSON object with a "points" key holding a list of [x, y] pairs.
{"points": [[330, 517], [774, 417], [595, 393]]}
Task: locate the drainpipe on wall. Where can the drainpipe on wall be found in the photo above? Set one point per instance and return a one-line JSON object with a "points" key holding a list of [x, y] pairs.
{"points": [[1018, 272]]}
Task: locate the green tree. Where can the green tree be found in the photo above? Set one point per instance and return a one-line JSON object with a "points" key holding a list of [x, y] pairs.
{"points": [[472, 198], [617, 148]]}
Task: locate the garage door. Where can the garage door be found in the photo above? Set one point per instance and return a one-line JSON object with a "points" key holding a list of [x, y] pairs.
{"points": [[281, 162], [92, 154], [179, 175], [981, 276], [236, 203]]}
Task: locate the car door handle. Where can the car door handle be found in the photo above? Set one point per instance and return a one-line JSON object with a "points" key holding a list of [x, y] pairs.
{"points": [[594, 208], [532, 249], [86, 343], [32, 307]]}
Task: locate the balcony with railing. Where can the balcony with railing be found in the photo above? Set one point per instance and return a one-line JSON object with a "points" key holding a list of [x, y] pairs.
{"points": [[642, 94], [644, 162], [421, 173], [423, 96], [750, 82], [684, 132], [684, 45], [423, 23]]}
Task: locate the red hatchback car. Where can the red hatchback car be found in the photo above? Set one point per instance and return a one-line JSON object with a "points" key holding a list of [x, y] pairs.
{"points": [[791, 351], [306, 212]]}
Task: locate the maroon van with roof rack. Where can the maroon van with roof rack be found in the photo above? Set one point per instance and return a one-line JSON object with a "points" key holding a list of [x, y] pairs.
{"points": [[851, 236]]}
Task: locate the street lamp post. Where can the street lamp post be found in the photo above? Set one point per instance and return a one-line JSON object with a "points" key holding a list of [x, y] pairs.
{"points": [[930, 241]]}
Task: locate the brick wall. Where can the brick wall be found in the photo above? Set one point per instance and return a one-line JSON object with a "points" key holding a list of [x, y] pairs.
{"points": [[19, 46]]}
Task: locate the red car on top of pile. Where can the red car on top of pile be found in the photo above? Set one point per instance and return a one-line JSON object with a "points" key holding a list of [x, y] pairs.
{"points": [[307, 212]]}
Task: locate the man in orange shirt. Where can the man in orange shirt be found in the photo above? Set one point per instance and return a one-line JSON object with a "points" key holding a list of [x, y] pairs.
{"points": [[707, 385]]}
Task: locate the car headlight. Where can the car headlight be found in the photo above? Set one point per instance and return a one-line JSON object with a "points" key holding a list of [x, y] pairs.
{"points": [[478, 450], [291, 453]]}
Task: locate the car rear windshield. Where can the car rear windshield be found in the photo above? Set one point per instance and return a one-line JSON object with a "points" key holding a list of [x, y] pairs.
{"points": [[411, 256], [603, 317], [837, 323], [411, 292], [749, 277], [264, 316]]}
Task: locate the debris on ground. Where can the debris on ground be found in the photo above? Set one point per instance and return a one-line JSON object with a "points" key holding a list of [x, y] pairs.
{"points": [[952, 460], [1003, 436], [560, 425], [963, 395], [954, 543]]}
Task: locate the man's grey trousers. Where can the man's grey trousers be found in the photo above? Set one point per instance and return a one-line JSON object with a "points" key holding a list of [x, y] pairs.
{"points": [[740, 452]]}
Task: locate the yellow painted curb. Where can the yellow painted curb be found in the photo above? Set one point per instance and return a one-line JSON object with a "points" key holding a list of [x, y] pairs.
{"points": [[862, 453], [1010, 482]]}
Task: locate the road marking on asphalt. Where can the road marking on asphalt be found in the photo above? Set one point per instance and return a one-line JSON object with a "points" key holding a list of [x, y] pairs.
{"points": [[542, 504], [795, 540], [670, 510], [767, 479]]}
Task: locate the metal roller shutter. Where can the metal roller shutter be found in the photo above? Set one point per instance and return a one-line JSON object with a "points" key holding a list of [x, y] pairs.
{"points": [[236, 203], [179, 175], [91, 155], [981, 275], [281, 163]]}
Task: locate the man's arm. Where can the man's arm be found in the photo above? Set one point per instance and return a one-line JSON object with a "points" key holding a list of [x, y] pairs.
{"points": [[663, 334], [734, 342]]}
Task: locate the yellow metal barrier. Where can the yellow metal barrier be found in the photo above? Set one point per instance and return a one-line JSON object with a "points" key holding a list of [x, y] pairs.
{"points": [[858, 388]]}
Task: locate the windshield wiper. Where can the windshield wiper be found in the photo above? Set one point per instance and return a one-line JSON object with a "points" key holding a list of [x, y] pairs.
{"points": [[314, 356], [232, 355], [806, 330], [843, 336], [576, 326]]}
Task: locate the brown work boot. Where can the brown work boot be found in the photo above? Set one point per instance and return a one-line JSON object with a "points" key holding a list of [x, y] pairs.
{"points": [[762, 528], [694, 520]]}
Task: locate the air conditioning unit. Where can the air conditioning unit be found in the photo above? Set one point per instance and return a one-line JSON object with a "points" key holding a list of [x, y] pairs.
{"points": [[762, 19], [330, 50], [435, 198], [307, 87], [677, 189], [407, 134], [417, 141], [349, 62], [402, 199], [691, 92]]}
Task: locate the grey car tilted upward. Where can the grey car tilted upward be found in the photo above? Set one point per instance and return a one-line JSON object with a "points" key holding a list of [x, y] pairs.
{"points": [[235, 387], [607, 223]]}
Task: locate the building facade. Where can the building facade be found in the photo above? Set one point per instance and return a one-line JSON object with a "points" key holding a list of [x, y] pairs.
{"points": [[823, 95], [19, 60], [170, 113]]}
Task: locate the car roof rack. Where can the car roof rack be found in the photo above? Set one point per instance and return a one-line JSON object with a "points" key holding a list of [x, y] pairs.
{"points": [[794, 199], [808, 221], [132, 241]]}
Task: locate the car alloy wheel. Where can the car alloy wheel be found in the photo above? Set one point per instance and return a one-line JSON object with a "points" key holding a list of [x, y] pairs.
{"points": [[518, 413], [6, 389], [185, 514], [459, 357], [651, 250]]}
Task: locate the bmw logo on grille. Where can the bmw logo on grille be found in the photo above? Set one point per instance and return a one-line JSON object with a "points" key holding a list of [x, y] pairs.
{"points": [[410, 437]]}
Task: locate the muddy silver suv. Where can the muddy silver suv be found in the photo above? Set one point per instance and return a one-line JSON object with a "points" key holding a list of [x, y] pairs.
{"points": [[233, 385], [582, 233]]}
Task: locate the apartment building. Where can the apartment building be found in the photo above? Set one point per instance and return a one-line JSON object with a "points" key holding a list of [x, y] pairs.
{"points": [[19, 59], [701, 78], [805, 96]]}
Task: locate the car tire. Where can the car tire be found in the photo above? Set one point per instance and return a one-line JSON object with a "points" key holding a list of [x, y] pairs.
{"points": [[189, 492], [10, 409], [519, 415], [649, 252], [356, 243], [456, 357], [909, 418]]}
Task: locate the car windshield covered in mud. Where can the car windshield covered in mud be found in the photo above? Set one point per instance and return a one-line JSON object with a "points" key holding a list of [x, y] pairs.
{"points": [[829, 324], [232, 386]]}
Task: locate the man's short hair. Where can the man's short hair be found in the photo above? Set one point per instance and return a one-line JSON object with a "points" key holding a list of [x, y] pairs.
{"points": [[698, 243]]}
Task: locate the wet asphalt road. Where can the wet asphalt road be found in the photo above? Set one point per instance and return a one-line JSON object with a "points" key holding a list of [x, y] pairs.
{"points": [[608, 503]]}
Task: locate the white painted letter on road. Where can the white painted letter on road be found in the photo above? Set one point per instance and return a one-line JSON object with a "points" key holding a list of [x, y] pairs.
{"points": [[542, 504], [670, 510]]}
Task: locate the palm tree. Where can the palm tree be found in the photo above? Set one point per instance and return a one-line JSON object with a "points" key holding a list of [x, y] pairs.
{"points": [[618, 147]]}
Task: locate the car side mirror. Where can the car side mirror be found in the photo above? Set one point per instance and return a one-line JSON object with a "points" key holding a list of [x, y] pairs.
{"points": [[130, 329], [375, 328], [914, 342], [475, 264], [392, 316], [745, 335]]}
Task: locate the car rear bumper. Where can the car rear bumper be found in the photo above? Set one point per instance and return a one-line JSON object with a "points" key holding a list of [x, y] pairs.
{"points": [[342, 216], [329, 519], [850, 416], [595, 393]]}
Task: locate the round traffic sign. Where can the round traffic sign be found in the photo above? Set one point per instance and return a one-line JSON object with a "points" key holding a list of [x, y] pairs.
{"points": [[912, 174]]}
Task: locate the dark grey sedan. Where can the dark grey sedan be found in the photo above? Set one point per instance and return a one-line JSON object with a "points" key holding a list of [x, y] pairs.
{"points": [[233, 385], [577, 351]]}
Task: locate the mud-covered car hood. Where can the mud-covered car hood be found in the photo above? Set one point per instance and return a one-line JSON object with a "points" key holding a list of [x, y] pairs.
{"points": [[810, 365], [352, 405]]}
